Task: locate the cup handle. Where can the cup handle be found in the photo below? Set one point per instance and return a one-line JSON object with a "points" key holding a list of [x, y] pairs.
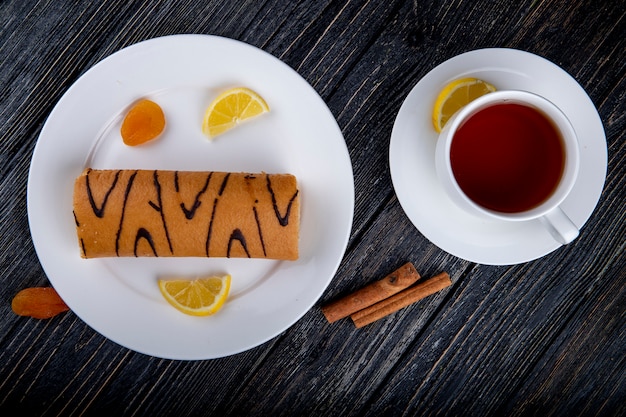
{"points": [[560, 226]]}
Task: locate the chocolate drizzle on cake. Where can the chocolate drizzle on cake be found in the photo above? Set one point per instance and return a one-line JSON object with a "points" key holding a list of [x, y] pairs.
{"points": [[144, 234], [99, 211], [215, 201], [190, 213], [159, 208], [238, 236], [174, 213], [208, 237], [258, 225], [283, 220], [126, 194], [224, 182]]}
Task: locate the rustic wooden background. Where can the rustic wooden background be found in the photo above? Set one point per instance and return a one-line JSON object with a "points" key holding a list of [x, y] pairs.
{"points": [[545, 338]]}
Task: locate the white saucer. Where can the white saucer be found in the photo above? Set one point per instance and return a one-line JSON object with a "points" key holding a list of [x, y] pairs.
{"points": [[412, 162]]}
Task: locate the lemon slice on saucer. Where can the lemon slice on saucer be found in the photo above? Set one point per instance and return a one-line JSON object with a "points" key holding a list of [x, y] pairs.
{"points": [[456, 95]]}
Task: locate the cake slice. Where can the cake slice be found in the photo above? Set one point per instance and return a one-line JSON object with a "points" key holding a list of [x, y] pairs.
{"points": [[121, 213]]}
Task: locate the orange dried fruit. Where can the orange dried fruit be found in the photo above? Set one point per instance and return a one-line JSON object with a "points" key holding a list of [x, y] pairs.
{"points": [[144, 122], [38, 302]]}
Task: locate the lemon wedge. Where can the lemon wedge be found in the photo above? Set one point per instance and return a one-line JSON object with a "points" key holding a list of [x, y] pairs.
{"points": [[196, 297], [231, 108], [455, 95]]}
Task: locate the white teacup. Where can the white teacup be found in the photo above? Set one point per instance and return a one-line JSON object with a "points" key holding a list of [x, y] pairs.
{"points": [[511, 156]]}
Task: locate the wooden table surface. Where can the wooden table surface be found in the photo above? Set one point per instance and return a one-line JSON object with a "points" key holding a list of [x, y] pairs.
{"points": [[545, 337]]}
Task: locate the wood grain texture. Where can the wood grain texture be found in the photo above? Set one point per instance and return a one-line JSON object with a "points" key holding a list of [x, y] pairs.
{"points": [[545, 338]]}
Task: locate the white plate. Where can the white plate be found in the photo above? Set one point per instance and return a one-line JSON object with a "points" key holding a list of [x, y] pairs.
{"points": [[119, 297], [412, 158]]}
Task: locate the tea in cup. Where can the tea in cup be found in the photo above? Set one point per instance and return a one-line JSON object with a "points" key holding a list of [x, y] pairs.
{"points": [[512, 156]]}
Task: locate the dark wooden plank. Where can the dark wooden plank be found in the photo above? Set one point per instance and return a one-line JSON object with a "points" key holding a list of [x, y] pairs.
{"points": [[62, 365], [566, 379], [478, 363], [542, 338], [487, 348], [338, 372]]}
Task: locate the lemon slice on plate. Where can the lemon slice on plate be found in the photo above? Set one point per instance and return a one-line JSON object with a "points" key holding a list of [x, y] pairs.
{"points": [[196, 297], [230, 108], [456, 95]]}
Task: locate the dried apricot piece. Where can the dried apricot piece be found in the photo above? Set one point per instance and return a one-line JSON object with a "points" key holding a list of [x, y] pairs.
{"points": [[143, 122], [38, 302]]}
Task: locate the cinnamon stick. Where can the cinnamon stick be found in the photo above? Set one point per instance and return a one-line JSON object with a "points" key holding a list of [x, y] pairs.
{"points": [[398, 280], [400, 300]]}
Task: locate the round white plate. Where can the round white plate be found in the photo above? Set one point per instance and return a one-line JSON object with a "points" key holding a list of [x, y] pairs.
{"points": [[119, 297], [412, 158]]}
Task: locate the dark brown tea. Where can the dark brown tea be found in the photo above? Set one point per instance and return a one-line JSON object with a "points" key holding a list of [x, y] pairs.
{"points": [[508, 157]]}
